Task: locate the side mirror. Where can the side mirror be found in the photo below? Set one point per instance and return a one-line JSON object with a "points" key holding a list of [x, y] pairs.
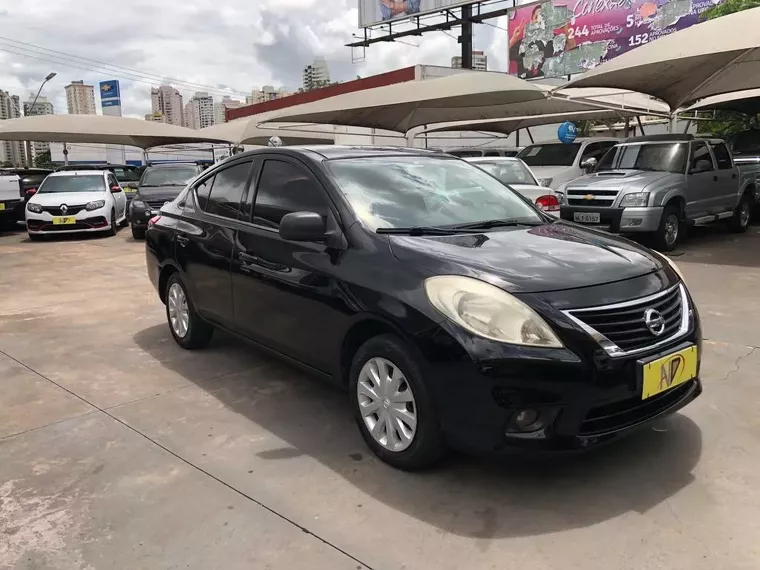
{"points": [[303, 226], [589, 164], [115, 189]]}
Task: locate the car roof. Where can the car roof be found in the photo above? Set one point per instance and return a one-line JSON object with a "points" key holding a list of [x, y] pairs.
{"points": [[337, 151], [492, 159], [172, 165], [93, 166], [672, 137], [580, 140], [77, 173]]}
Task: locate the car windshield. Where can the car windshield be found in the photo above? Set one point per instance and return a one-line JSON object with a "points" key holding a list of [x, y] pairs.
{"points": [[659, 157], [409, 191], [169, 176], [508, 171], [127, 174], [73, 183], [555, 154]]}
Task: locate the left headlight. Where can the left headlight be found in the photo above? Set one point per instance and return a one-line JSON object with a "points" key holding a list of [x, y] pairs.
{"points": [[488, 311], [34, 208], [95, 205], [635, 199]]}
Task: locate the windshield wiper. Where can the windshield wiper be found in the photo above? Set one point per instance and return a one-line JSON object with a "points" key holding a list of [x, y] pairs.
{"points": [[420, 231], [488, 224]]}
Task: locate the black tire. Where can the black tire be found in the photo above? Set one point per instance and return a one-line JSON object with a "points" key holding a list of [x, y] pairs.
{"points": [[112, 228], [427, 445], [199, 332], [35, 237], [742, 217], [124, 223], [663, 239], [138, 232]]}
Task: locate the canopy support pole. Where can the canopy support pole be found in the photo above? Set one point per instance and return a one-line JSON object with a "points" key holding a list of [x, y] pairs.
{"points": [[65, 154], [641, 127], [530, 135], [466, 38], [145, 156], [517, 137], [627, 126]]}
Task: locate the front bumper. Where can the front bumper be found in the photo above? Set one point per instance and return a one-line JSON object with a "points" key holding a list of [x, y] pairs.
{"points": [[84, 221], [140, 217], [584, 396], [618, 220], [12, 209]]}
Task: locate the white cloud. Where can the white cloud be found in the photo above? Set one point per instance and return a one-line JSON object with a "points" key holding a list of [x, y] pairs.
{"points": [[233, 45]]}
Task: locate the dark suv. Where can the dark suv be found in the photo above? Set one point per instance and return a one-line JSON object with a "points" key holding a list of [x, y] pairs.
{"points": [[160, 183], [452, 310]]}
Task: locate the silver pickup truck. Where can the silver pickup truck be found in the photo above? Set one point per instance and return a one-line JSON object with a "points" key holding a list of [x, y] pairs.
{"points": [[657, 184]]}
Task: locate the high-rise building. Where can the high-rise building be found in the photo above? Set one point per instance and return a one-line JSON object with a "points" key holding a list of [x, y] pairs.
{"points": [[168, 101], [199, 111], [41, 107], [220, 109], [80, 98], [316, 75], [11, 152], [155, 117], [266, 93], [479, 61]]}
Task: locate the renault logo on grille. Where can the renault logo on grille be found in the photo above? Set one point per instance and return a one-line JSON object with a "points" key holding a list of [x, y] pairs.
{"points": [[64, 208], [654, 322], [589, 197]]}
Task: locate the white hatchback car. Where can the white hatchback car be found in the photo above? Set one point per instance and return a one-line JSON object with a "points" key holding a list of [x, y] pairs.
{"points": [[515, 173], [76, 201]]}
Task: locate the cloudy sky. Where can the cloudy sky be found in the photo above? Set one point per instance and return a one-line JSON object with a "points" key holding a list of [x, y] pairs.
{"points": [[229, 46]]}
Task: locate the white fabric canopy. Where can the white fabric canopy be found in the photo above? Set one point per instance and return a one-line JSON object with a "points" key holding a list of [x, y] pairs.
{"points": [[98, 129], [403, 106], [247, 131], [742, 101], [710, 58]]}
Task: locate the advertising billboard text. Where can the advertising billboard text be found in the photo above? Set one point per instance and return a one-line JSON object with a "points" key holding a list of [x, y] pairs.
{"points": [[372, 12]]}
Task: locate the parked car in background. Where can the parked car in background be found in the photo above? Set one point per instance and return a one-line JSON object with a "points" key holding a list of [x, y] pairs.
{"points": [[160, 183], [11, 199], [745, 150], [453, 311], [657, 184], [471, 152], [31, 178], [127, 175], [76, 201], [555, 163], [515, 173]]}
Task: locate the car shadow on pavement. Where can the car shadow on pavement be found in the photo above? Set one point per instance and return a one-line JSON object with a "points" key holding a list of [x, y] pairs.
{"points": [[715, 244], [477, 497]]}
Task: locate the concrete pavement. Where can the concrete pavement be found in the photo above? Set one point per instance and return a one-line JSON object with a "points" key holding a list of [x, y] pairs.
{"points": [[120, 450]]}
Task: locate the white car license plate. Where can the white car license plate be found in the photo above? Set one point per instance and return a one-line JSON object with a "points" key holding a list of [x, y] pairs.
{"points": [[586, 217]]}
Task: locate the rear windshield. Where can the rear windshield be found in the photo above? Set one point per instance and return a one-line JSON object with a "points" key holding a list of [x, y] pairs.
{"points": [[558, 154], [127, 174], [76, 183], [508, 171], [659, 157], [169, 176]]}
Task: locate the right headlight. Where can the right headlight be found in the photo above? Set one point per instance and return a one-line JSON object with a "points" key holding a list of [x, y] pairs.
{"points": [[35, 208], [639, 199], [488, 311]]}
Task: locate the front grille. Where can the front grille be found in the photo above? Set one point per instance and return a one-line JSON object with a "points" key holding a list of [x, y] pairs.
{"points": [[582, 202], [156, 204], [89, 223], [628, 413], [601, 198], [623, 324], [56, 210]]}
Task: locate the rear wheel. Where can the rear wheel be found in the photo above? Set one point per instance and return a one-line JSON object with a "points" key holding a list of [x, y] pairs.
{"points": [[188, 329], [742, 215], [138, 232], [668, 233], [393, 409]]}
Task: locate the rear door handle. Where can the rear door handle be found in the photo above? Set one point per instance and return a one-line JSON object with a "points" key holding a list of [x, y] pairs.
{"points": [[183, 240]]}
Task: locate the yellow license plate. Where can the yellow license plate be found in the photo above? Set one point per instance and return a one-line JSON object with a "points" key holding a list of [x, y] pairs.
{"points": [[129, 190], [669, 371], [64, 221], [2, 206]]}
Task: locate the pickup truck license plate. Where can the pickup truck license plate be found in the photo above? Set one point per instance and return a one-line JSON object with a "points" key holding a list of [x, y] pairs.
{"points": [[64, 221], [2, 206], [586, 217]]}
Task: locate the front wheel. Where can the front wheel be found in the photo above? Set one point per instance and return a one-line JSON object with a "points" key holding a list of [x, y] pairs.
{"points": [[138, 232], [739, 222], [393, 410], [188, 329], [669, 231]]}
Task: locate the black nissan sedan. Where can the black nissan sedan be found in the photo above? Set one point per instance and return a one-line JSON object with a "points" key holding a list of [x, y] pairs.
{"points": [[452, 310]]}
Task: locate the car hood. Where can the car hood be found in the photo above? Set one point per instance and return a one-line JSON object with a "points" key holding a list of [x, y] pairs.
{"points": [[550, 257], [156, 193], [68, 198], [629, 179]]}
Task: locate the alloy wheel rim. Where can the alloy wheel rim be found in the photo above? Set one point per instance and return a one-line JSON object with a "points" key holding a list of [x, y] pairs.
{"points": [[671, 229], [744, 214], [387, 404], [179, 314]]}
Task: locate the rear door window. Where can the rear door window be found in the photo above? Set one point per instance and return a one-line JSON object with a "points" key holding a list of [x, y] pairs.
{"points": [[229, 186], [722, 156]]}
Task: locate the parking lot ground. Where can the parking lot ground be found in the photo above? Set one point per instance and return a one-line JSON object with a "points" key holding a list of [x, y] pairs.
{"points": [[120, 450]]}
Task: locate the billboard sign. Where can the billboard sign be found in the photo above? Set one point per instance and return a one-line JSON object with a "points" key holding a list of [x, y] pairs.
{"points": [[110, 98], [557, 38], [373, 12]]}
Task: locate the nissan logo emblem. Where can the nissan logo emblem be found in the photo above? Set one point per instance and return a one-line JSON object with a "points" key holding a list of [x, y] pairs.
{"points": [[654, 322]]}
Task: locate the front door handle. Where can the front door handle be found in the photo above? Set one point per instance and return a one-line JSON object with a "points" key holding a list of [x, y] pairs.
{"points": [[183, 240], [250, 262]]}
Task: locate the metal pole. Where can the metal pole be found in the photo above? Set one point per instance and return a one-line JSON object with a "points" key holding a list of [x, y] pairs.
{"points": [[30, 158], [517, 138], [530, 136], [641, 127], [466, 38], [65, 154], [627, 126]]}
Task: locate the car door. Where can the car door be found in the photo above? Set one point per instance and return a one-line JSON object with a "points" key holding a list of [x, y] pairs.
{"points": [[205, 239], [285, 295], [703, 192], [728, 176], [119, 198]]}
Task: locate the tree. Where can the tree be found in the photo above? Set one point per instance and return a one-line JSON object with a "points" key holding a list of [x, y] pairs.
{"points": [[727, 123], [43, 160]]}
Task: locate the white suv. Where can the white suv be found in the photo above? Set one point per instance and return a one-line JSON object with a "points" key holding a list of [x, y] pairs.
{"points": [[76, 201]]}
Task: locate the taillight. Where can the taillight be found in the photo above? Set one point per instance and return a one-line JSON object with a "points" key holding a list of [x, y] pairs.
{"points": [[548, 203], [31, 191], [153, 220]]}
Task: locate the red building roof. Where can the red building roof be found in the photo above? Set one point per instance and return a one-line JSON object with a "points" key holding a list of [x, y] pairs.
{"points": [[390, 78]]}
